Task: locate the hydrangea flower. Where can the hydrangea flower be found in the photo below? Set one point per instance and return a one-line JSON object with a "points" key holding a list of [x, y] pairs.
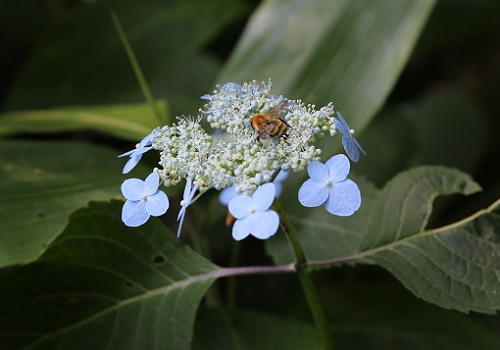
{"points": [[252, 213], [187, 197], [329, 185], [144, 199], [230, 192], [232, 157], [187, 150], [351, 144], [136, 154]]}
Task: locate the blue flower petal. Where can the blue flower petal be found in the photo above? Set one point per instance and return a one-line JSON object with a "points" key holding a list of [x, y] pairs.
{"points": [[151, 184], [313, 193], [136, 154], [239, 207], [137, 151], [157, 204], [226, 86], [148, 139], [227, 194], [350, 143], [231, 85], [132, 189], [264, 196], [344, 198], [131, 163], [187, 197], [317, 171], [350, 148], [358, 145], [338, 168], [134, 213], [342, 125], [264, 224], [241, 228], [128, 153]]}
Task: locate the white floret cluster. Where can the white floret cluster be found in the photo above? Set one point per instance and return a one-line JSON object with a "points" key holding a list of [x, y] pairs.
{"points": [[188, 151]]}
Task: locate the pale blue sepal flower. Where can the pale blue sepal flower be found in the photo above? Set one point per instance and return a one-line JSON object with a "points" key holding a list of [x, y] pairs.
{"points": [[226, 86], [187, 197], [144, 199], [329, 185], [253, 216], [351, 144], [229, 193], [136, 154]]}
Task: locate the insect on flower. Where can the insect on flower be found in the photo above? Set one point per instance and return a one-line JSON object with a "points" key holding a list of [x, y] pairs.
{"points": [[269, 124]]}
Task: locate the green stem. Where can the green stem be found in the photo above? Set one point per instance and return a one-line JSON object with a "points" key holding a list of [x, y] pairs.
{"points": [[231, 283], [137, 68], [305, 278], [201, 245]]}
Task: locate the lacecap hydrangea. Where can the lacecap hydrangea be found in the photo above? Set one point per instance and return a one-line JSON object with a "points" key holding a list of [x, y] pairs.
{"points": [[246, 156]]}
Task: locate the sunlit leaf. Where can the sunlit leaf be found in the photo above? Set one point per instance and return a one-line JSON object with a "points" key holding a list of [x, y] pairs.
{"points": [[101, 285], [131, 122], [350, 52]]}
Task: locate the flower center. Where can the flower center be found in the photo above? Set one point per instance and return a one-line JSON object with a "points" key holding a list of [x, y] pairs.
{"points": [[328, 183]]}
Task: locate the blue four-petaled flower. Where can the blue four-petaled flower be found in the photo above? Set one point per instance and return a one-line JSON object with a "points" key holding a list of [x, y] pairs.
{"points": [[229, 193], [187, 197], [252, 213], [329, 185], [144, 199], [136, 154], [351, 144]]}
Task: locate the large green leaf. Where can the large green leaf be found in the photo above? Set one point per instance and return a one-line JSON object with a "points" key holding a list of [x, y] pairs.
{"points": [[132, 122], [41, 183], [102, 285], [455, 266], [350, 52]]}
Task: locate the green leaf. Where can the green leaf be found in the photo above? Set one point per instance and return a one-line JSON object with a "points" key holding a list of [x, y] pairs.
{"points": [[322, 235], [102, 285], [350, 52], [455, 266], [81, 60], [252, 330], [41, 184], [405, 204], [131, 122]]}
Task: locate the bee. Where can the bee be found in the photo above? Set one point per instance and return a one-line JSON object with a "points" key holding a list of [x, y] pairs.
{"points": [[269, 124]]}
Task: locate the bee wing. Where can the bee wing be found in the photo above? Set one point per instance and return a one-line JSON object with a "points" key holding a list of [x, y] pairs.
{"points": [[276, 110]]}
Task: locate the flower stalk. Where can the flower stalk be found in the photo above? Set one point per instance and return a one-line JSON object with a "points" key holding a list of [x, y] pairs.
{"points": [[305, 278]]}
